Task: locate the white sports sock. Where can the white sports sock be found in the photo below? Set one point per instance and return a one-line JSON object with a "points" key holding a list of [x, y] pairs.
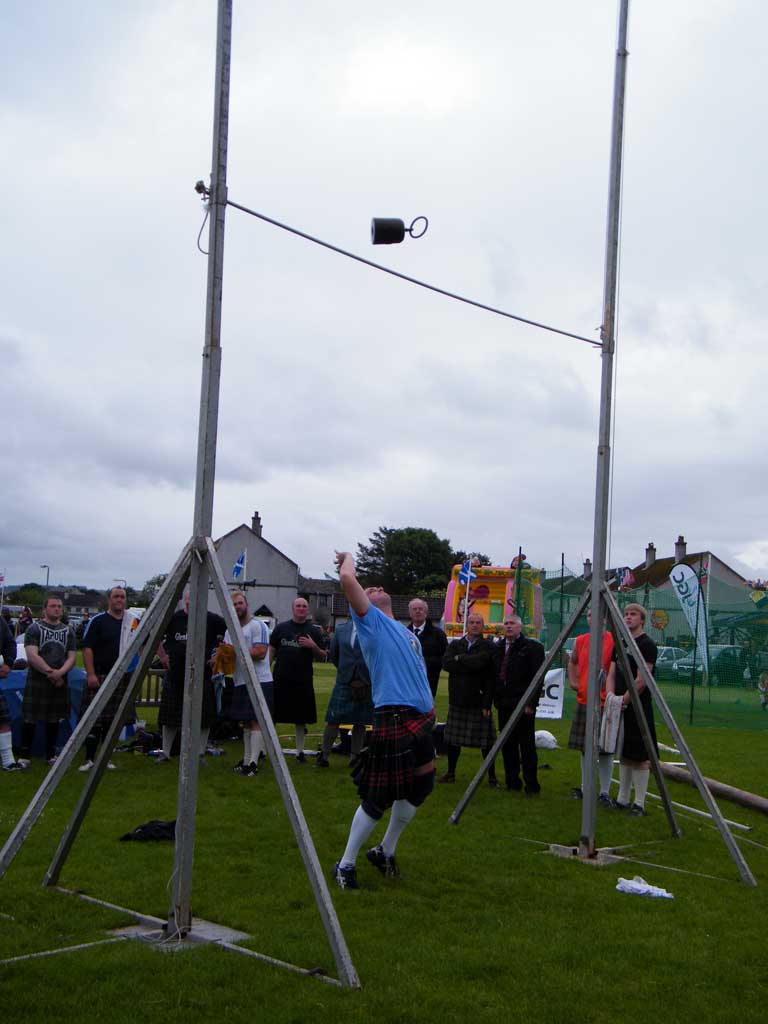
{"points": [[301, 732], [640, 778], [257, 745], [402, 813], [247, 746], [204, 733], [625, 782], [362, 826], [605, 771], [6, 749], [169, 735]]}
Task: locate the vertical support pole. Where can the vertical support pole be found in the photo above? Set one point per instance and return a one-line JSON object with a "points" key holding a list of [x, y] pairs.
{"points": [[180, 913], [602, 484]]}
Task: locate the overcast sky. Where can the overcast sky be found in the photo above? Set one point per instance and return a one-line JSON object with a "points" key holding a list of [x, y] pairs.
{"points": [[349, 399]]}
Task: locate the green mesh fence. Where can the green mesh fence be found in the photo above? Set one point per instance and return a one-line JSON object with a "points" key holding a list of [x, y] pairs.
{"points": [[735, 694]]}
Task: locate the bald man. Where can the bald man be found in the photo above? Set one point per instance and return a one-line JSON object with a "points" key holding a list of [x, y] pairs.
{"points": [[399, 769]]}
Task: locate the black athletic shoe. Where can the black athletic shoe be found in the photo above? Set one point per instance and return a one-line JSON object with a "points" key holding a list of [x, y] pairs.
{"points": [[604, 800], [619, 807], [577, 793], [386, 865], [637, 811], [241, 769], [345, 878], [15, 766], [301, 757], [322, 762], [493, 783]]}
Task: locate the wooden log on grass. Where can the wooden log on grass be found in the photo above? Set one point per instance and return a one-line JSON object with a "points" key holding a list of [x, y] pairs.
{"points": [[737, 796]]}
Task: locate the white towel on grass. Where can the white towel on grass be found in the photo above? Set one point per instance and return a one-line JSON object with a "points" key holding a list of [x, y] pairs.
{"points": [[638, 886]]}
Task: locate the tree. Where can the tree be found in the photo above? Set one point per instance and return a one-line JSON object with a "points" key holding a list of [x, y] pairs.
{"points": [[150, 588], [405, 561]]}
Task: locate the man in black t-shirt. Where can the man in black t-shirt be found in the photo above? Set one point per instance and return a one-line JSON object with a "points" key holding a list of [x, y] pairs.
{"points": [[293, 646], [172, 654], [107, 635], [634, 765]]}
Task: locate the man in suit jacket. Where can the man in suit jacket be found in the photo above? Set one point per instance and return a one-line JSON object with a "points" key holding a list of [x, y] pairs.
{"points": [[432, 639], [518, 658]]}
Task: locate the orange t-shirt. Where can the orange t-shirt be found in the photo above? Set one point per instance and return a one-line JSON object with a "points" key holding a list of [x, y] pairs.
{"points": [[581, 647]]}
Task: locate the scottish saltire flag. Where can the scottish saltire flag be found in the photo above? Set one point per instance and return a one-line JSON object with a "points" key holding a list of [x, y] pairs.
{"points": [[466, 574], [239, 567]]}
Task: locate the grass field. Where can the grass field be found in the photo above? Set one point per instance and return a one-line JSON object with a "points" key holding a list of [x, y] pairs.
{"points": [[483, 926]]}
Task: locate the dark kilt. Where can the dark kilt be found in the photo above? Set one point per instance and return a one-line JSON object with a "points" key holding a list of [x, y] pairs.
{"points": [[241, 708], [5, 715], [466, 727], [578, 731], [108, 713], [172, 703], [401, 741], [44, 702], [295, 702], [633, 747], [344, 709]]}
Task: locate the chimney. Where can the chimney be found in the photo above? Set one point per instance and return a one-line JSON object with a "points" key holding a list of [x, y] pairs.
{"points": [[650, 554], [256, 524], [587, 568], [680, 547]]}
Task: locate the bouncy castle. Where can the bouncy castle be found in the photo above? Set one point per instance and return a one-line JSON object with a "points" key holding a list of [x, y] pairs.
{"points": [[495, 592]]}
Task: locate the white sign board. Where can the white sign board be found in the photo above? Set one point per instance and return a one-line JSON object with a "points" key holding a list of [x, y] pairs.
{"points": [[551, 703]]}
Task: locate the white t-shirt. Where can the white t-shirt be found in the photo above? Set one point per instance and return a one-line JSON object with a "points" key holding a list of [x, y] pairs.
{"points": [[256, 634]]}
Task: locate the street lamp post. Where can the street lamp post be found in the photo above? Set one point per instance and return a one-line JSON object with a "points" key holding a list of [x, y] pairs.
{"points": [[47, 574]]}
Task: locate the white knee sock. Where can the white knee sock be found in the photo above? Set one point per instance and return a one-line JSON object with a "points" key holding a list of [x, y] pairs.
{"points": [[362, 826], [6, 749], [625, 782], [402, 813], [247, 746], [169, 735], [257, 745], [301, 732], [640, 778], [605, 771]]}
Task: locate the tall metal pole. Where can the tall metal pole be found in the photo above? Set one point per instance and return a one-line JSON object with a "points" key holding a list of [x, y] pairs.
{"points": [[180, 913], [602, 486]]}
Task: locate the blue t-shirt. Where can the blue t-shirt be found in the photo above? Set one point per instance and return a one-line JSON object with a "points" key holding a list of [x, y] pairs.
{"points": [[395, 662]]}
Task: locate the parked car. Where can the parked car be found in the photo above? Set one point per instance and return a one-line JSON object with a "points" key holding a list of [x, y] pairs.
{"points": [[667, 656], [724, 666]]}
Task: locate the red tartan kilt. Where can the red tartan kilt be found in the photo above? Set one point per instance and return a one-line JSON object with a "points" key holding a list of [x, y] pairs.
{"points": [[401, 742]]}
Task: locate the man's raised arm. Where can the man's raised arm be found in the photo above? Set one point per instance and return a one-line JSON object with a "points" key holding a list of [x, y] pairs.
{"points": [[354, 593]]}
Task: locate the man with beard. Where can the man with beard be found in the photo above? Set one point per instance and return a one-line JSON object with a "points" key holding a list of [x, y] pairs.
{"points": [[432, 639], [241, 709], [51, 651], [172, 654], [107, 637], [294, 645]]}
